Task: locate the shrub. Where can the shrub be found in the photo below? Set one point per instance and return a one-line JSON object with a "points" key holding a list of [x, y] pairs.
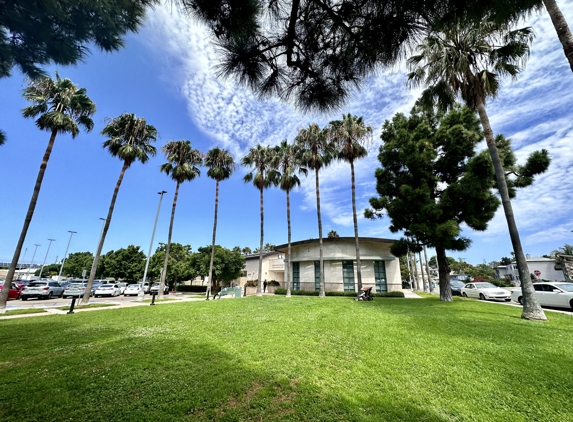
{"points": [[274, 283], [502, 282], [282, 291], [252, 283], [185, 288]]}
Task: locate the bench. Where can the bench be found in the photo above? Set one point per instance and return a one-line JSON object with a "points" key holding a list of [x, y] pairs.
{"points": [[228, 291]]}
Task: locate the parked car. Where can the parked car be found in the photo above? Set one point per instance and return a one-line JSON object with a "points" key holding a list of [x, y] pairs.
{"points": [[559, 295], [456, 287], [485, 291], [14, 292], [107, 290], [155, 289], [132, 290], [95, 285], [75, 290], [146, 286], [122, 287], [42, 289]]}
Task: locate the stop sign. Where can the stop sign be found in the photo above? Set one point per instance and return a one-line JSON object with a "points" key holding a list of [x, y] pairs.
{"points": [[537, 273]]}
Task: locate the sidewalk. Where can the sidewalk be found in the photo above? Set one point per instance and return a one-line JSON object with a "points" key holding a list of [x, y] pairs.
{"points": [[409, 294]]}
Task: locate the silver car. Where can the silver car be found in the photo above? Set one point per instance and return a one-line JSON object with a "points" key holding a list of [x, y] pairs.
{"points": [[557, 294], [75, 290], [42, 289]]}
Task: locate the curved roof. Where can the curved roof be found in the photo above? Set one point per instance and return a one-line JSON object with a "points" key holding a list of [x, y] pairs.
{"points": [[280, 248]]}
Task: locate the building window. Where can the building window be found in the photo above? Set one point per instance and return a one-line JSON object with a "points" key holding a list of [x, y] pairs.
{"points": [[348, 276], [317, 276], [296, 276], [380, 276]]}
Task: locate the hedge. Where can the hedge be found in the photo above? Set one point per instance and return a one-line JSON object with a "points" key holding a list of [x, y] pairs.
{"points": [[185, 288], [347, 294]]}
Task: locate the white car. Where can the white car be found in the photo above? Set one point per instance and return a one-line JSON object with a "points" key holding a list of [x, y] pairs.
{"points": [[132, 290], [155, 289], [485, 291], [559, 295], [122, 287], [107, 290]]}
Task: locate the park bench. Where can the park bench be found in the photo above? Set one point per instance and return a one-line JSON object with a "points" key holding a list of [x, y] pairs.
{"points": [[228, 291]]}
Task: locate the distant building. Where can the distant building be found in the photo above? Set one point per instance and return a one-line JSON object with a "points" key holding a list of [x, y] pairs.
{"points": [[545, 268]]}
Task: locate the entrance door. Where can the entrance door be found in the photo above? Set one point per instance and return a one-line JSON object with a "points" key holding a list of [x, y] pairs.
{"points": [[380, 276], [348, 276]]}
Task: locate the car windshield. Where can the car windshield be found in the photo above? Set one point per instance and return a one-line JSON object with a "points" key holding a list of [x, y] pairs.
{"points": [[77, 285], [37, 284], [133, 286], [106, 285], [568, 287], [485, 286]]}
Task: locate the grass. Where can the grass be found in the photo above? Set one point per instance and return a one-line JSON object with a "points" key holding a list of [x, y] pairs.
{"points": [[24, 311], [298, 359]]}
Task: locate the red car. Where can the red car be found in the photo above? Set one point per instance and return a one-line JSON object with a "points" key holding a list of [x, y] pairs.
{"points": [[14, 291]]}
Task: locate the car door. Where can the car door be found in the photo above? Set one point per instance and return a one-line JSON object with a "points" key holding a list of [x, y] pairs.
{"points": [[471, 290], [540, 294], [554, 296]]}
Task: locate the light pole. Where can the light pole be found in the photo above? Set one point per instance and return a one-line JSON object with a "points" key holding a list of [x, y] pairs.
{"points": [[46, 257], [99, 240], [141, 294], [66, 254], [32, 262]]}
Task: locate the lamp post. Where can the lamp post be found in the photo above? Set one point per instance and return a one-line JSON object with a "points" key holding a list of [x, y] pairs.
{"points": [[66, 254], [32, 262], [141, 293], [46, 257], [99, 240]]}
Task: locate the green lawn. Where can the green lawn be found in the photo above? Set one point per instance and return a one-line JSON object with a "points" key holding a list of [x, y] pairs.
{"points": [[24, 311], [298, 359]]}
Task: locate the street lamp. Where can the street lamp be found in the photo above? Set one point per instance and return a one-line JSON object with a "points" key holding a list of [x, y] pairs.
{"points": [[46, 257], [66, 254], [141, 293], [32, 262]]}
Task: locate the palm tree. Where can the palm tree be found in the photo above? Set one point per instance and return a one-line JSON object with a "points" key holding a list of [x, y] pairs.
{"points": [[221, 165], [182, 162], [469, 61], [316, 152], [562, 29], [63, 108], [130, 140], [564, 250], [286, 163], [259, 159], [350, 135], [2, 137]]}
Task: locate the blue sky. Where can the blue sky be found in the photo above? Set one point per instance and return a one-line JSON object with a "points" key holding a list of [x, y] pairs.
{"points": [[165, 73]]}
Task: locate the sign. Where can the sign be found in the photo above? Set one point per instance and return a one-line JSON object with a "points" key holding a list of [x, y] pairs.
{"points": [[537, 273], [84, 273]]}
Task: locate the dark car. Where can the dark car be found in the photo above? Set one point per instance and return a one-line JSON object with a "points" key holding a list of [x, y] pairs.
{"points": [[14, 292], [456, 287]]}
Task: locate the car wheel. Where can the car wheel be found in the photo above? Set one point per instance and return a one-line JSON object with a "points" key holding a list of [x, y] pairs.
{"points": [[24, 298], [481, 296], [464, 294], [520, 300], [50, 295], [61, 294]]}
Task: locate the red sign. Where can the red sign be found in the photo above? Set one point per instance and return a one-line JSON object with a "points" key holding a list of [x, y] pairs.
{"points": [[537, 273]]}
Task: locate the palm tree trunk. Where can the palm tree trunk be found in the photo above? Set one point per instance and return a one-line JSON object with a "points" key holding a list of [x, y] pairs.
{"points": [[168, 247], [261, 246], [287, 261], [443, 275], [531, 308], [322, 292], [209, 283], [416, 278], [27, 221], [86, 297], [422, 272], [428, 270], [358, 265], [562, 29]]}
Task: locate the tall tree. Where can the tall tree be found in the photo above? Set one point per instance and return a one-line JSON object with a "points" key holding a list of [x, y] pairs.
{"points": [[286, 162], [431, 182], [221, 165], [562, 29], [468, 61], [76, 263], [316, 152], [315, 52], [62, 108], [129, 139], [125, 263], [182, 162], [228, 265], [350, 136], [179, 263], [259, 159], [36, 33]]}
